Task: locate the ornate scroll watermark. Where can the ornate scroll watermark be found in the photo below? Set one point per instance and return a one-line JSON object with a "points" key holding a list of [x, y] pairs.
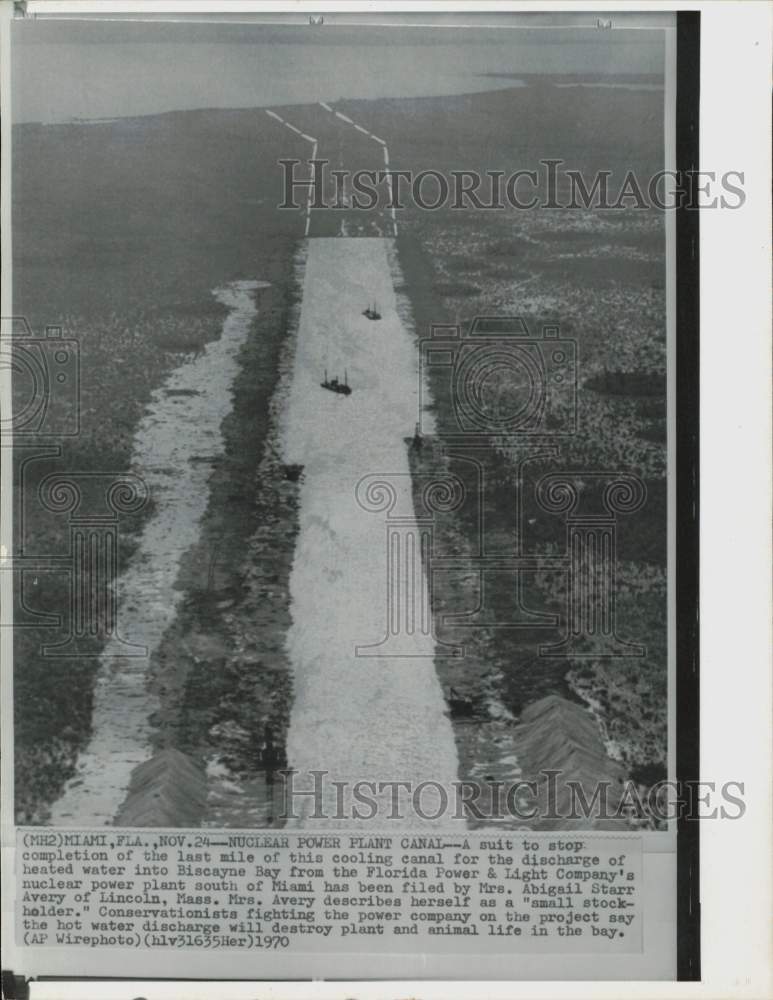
{"points": [[45, 408], [509, 390]]}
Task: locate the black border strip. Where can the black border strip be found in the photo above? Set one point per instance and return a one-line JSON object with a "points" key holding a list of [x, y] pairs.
{"points": [[688, 922]]}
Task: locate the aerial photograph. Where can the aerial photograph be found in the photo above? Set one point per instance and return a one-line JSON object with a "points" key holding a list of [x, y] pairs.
{"points": [[346, 500]]}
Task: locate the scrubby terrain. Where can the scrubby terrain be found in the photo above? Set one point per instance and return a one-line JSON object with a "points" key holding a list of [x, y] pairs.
{"points": [[123, 230]]}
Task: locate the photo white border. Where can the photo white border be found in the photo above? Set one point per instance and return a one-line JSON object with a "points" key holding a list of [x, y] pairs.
{"points": [[735, 520]]}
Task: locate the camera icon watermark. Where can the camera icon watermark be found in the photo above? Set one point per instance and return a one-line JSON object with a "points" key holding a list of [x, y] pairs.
{"points": [[503, 380], [45, 377]]}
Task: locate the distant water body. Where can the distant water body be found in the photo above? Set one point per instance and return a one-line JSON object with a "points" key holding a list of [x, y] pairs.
{"points": [[56, 82]]}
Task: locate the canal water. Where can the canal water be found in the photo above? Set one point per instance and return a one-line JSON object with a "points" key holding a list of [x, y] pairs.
{"points": [[372, 718]]}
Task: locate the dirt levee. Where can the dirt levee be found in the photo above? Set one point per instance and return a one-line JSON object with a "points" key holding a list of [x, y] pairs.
{"points": [[174, 450]]}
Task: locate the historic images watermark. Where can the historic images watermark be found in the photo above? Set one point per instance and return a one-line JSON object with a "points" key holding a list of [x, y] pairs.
{"points": [[550, 797], [81, 508], [549, 185], [516, 389]]}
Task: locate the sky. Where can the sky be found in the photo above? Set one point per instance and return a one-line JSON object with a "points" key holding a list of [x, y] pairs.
{"points": [[65, 69]]}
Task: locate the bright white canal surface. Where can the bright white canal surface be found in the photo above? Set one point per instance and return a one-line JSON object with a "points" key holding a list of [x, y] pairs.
{"points": [[358, 718]]}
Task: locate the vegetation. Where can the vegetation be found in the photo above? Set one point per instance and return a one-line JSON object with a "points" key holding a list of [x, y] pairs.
{"points": [[121, 233], [598, 276]]}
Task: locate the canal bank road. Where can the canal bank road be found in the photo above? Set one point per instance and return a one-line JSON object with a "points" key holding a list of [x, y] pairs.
{"points": [[357, 717]]}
